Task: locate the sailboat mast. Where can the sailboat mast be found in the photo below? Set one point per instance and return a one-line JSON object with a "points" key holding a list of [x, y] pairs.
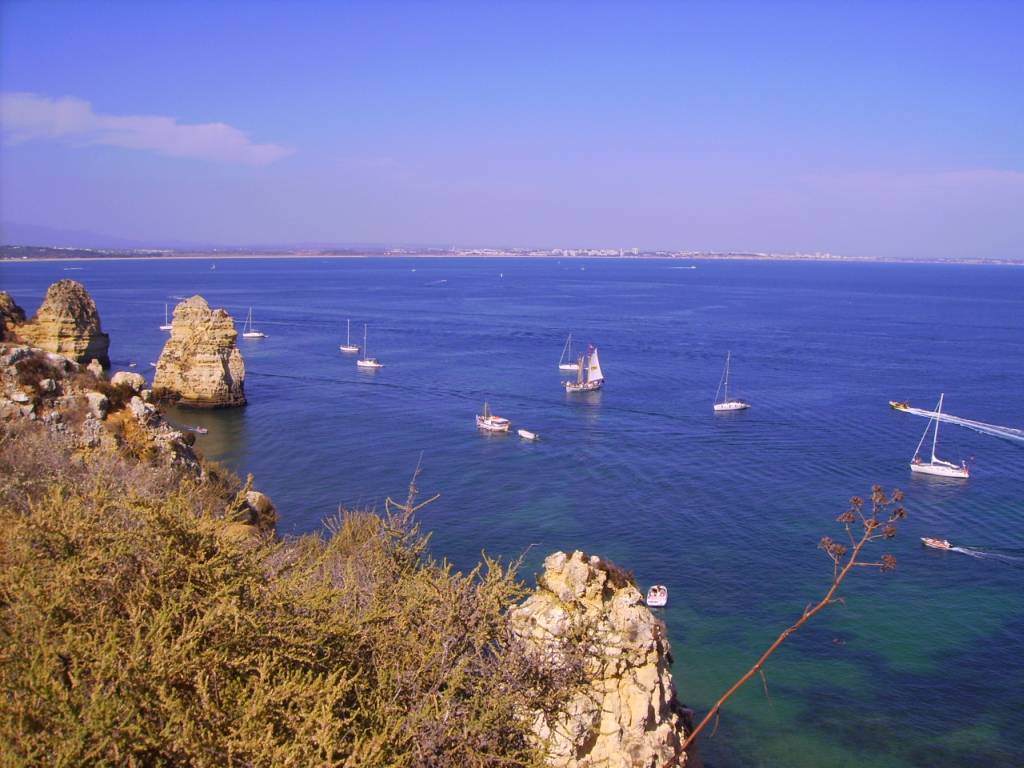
{"points": [[364, 341], [348, 333], [935, 437], [728, 357]]}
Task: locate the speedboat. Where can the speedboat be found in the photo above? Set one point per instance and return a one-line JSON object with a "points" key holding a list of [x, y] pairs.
{"points": [[491, 423], [526, 434], [657, 596], [899, 405], [936, 543]]}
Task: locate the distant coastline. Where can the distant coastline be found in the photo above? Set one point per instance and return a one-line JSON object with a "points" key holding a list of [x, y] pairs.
{"points": [[31, 253]]}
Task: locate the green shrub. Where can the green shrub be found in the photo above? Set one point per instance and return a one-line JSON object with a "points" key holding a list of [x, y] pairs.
{"points": [[134, 633]]}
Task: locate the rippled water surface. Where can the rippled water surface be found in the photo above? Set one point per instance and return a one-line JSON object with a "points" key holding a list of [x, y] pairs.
{"points": [[921, 667]]}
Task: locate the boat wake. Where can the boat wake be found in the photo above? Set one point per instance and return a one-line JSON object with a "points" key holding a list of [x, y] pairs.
{"points": [[983, 555]]}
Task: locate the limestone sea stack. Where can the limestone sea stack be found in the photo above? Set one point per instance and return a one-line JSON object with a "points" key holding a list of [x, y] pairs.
{"points": [[200, 365], [68, 324], [627, 715]]}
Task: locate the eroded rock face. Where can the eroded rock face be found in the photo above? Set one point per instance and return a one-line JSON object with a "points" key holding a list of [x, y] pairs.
{"points": [[628, 715], [10, 315], [200, 365], [68, 324]]}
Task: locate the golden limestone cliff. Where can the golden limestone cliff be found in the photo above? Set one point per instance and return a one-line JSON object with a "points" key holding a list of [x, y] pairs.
{"points": [[68, 324], [11, 315], [627, 715], [200, 365]]}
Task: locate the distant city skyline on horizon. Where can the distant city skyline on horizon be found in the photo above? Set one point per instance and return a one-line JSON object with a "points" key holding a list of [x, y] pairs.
{"points": [[858, 129]]}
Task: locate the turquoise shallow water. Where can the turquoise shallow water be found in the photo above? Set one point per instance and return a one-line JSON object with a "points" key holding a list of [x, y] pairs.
{"points": [[921, 667]]}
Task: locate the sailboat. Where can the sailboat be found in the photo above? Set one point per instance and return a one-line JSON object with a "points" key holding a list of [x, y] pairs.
{"points": [[936, 466], [492, 423], [589, 376], [726, 404], [566, 362], [167, 321], [248, 332], [368, 362], [348, 346]]}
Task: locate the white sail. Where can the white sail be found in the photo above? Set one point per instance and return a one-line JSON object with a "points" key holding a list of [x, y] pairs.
{"points": [[594, 372]]}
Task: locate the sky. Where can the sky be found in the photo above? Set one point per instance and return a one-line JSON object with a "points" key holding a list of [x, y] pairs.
{"points": [[891, 129]]}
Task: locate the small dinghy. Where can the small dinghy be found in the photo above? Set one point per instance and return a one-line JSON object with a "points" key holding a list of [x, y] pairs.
{"points": [[526, 434], [657, 596], [936, 543]]}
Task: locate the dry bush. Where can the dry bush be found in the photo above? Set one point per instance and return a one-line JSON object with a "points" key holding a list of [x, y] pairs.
{"points": [[132, 634], [31, 371]]}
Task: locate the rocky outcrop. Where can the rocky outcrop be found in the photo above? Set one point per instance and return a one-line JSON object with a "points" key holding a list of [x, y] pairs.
{"points": [[10, 316], [134, 381], [68, 324], [627, 715], [200, 365]]}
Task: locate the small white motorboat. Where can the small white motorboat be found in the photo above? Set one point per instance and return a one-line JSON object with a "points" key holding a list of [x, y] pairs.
{"points": [[657, 596], [526, 434], [936, 543], [491, 423]]}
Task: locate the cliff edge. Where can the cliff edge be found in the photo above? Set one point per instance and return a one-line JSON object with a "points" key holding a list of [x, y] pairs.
{"points": [[627, 715]]}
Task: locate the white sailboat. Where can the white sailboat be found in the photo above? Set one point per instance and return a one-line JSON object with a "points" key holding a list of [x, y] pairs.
{"points": [[167, 321], [368, 362], [566, 361], [348, 346], [726, 404], [248, 332], [936, 466], [589, 376], [492, 423]]}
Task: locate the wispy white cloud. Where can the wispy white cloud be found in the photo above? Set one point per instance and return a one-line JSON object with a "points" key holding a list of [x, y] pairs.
{"points": [[28, 117]]}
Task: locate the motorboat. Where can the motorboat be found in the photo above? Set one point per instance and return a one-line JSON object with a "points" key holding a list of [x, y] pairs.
{"points": [[657, 596], [936, 543], [491, 423], [526, 434]]}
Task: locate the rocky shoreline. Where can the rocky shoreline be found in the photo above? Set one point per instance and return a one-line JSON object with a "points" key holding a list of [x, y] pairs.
{"points": [[623, 710]]}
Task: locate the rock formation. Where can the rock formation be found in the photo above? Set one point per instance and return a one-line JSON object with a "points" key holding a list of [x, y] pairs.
{"points": [[68, 324], [627, 715], [200, 365], [10, 315]]}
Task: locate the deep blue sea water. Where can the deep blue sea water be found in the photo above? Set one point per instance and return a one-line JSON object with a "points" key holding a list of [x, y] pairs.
{"points": [[921, 667]]}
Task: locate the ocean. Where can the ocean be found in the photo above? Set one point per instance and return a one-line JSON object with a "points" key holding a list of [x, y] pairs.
{"points": [[923, 666]]}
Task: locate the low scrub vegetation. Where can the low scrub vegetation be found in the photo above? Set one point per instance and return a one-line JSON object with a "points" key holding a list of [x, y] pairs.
{"points": [[133, 632]]}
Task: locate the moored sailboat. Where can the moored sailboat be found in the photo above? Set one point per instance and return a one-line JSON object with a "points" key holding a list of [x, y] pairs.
{"points": [[566, 362], [936, 466], [589, 376], [726, 404], [249, 332], [348, 346], [167, 321], [368, 362]]}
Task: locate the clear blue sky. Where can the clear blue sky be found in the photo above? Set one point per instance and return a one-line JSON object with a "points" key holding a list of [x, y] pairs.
{"points": [[865, 128]]}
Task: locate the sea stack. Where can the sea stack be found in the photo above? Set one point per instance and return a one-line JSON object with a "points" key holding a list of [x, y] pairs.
{"points": [[68, 324], [200, 365], [627, 715]]}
